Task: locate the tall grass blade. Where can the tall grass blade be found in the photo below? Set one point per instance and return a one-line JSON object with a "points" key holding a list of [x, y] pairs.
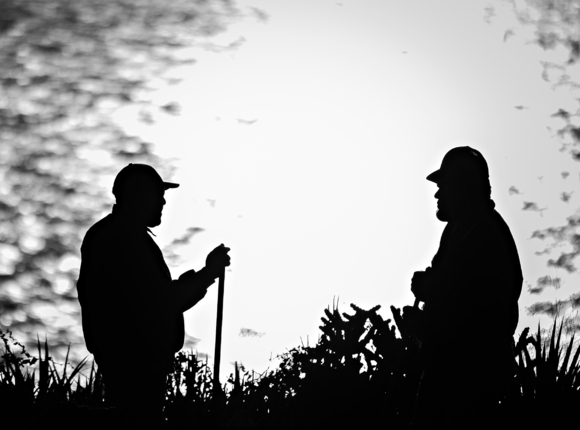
{"points": [[564, 367]]}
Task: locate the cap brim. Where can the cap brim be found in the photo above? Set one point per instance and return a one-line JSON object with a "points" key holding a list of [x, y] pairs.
{"points": [[168, 185], [435, 176]]}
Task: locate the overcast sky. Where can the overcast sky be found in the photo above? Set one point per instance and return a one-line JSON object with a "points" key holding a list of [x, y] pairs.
{"points": [[306, 150]]}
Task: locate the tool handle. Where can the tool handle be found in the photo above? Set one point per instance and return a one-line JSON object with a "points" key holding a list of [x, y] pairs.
{"points": [[218, 332]]}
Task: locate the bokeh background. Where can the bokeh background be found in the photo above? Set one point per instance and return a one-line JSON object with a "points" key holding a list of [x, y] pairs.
{"points": [[301, 132]]}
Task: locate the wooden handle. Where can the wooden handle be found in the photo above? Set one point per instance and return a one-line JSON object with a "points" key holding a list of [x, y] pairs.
{"points": [[218, 332]]}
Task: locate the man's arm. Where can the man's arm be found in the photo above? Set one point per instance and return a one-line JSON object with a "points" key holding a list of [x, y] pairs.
{"points": [[420, 284], [192, 286], [423, 281]]}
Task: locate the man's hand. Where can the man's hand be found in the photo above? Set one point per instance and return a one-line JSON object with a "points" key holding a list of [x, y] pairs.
{"points": [[413, 320], [418, 285], [217, 260]]}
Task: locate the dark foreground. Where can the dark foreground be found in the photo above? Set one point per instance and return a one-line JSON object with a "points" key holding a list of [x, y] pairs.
{"points": [[361, 373]]}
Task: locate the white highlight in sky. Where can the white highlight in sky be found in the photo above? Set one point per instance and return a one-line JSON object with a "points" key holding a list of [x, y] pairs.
{"points": [[306, 151]]}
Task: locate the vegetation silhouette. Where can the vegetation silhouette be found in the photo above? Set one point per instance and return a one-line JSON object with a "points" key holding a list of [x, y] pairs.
{"points": [[362, 371]]}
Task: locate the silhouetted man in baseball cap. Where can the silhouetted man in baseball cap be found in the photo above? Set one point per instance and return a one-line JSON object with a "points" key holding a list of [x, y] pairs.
{"points": [[132, 310], [470, 294]]}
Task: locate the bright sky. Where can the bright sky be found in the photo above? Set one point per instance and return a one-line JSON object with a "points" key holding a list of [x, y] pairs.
{"points": [[306, 150]]}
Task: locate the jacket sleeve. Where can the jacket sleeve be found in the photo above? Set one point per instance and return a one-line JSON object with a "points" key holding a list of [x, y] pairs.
{"points": [[189, 289]]}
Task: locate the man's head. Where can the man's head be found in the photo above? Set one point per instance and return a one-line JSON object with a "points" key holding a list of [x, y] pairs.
{"points": [[463, 181], [139, 191]]}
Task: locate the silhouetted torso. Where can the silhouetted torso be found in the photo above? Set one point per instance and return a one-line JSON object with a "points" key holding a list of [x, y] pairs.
{"points": [[476, 280], [471, 313], [123, 290], [132, 311]]}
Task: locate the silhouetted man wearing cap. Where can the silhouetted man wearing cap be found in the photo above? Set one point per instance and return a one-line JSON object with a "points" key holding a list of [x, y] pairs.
{"points": [[470, 294], [132, 310]]}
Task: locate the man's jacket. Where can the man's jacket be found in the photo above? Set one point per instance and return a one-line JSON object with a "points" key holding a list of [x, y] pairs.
{"points": [[130, 305], [474, 283]]}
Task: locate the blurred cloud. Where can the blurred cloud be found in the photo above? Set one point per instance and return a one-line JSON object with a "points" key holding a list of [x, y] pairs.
{"points": [[543, 283], [248, 332], [513, 190], [533, 206]]}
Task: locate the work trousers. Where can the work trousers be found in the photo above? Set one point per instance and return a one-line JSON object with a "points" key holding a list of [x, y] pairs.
{"points": [[137, 392], [462, 397]]}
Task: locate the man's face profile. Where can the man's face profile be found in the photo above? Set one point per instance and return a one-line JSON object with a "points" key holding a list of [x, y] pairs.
{"points": [[145, 200], [442, 204], [450, 198], [458, 198], [152, 206]]}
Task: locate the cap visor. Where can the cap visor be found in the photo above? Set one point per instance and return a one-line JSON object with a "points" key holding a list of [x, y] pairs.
{"points": [[168, 185], [435, 176]]}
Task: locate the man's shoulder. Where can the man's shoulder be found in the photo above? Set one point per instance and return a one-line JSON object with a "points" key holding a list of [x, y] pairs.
{"points": [[103, 231], [487, 221], [495, 222], [102, 226], [492, 232]]}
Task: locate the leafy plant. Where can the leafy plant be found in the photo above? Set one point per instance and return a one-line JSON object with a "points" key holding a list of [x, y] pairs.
{"points": [[363, 371], [547, 377]]}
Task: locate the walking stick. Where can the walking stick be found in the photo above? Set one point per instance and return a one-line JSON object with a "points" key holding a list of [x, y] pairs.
{"points": [[218, 334]]}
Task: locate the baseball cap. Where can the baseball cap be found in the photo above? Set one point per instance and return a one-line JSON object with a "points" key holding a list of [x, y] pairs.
{"points": [[461, 162], [134, 176]]}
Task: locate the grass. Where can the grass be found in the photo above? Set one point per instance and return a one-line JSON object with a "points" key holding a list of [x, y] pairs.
{"points": [[361, 372]]}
